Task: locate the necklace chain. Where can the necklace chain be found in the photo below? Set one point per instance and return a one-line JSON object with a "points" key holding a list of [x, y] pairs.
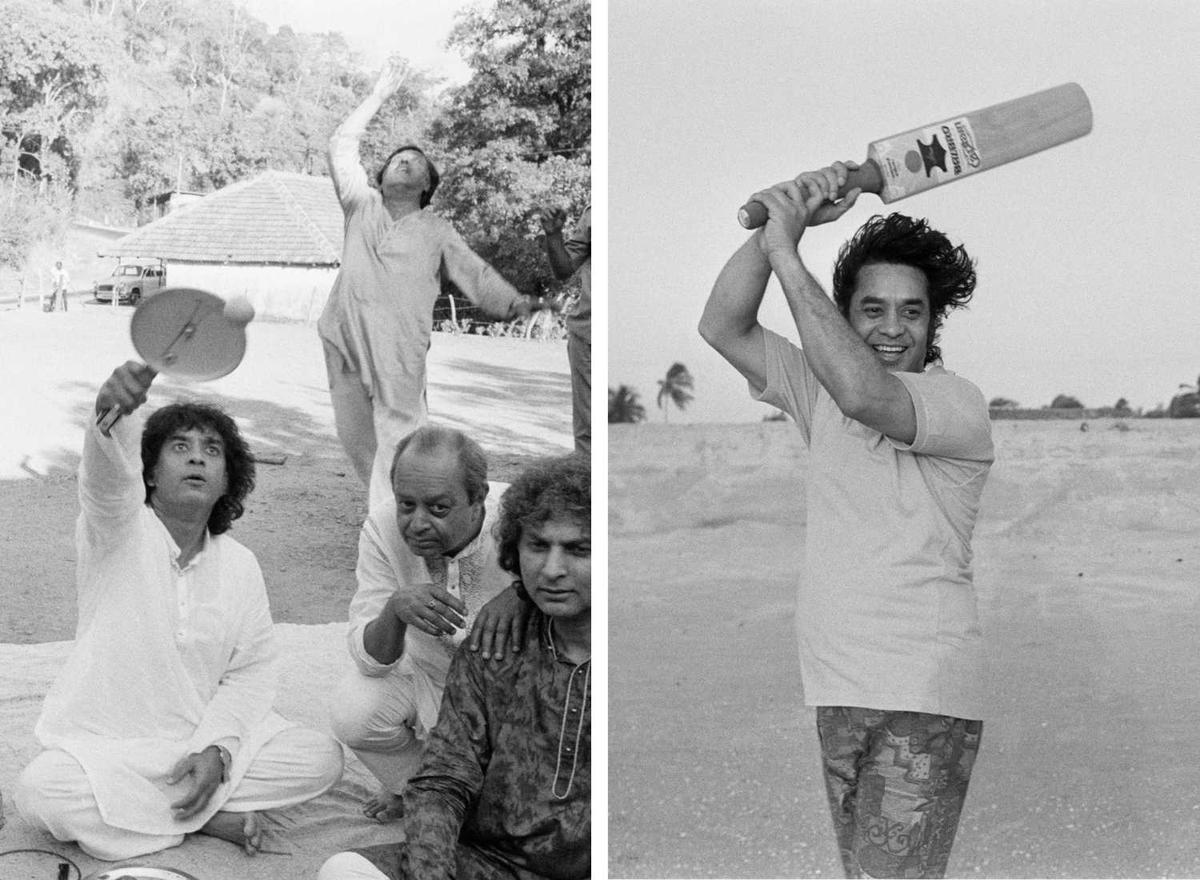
{"points": [[562, 735]]}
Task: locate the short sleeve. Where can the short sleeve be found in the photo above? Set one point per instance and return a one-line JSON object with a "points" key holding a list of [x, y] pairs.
{"points": [[952, 417], [791, 384], [579, 245]]}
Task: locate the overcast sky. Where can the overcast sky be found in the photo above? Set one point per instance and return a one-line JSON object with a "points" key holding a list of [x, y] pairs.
{"points": [[376, 28], [1088, 254]]}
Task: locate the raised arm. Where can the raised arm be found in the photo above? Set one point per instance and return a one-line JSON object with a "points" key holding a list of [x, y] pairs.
{"points": [[345, 167], [730, 320], [560, 259], [110, 471], [863, 388]]}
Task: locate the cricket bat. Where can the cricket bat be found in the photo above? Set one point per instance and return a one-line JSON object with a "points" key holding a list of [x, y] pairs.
{"points": [[944, 152]]}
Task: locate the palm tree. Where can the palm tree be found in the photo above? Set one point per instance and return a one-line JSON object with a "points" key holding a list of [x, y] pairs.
{"points": [[624, 406], [676, 389]]}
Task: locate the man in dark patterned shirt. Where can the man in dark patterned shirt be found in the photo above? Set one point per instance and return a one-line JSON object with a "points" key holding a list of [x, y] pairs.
{"points": [[504, 789]]}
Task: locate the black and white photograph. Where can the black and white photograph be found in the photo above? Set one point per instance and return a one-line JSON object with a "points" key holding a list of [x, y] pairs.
{"points": [[903, 507], [295, 467]]}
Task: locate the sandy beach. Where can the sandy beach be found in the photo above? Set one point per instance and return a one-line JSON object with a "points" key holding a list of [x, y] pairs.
{"points": [[1089, 581], [302, 522]]}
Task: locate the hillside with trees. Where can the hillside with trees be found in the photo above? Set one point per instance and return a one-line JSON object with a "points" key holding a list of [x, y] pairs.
{"points": [[106, 104]]}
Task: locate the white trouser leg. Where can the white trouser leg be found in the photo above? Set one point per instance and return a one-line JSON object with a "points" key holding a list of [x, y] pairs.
{"points": [[353, 414], [295, 765], [53, 793], [349, 866], [391, 426], [375, 717]]}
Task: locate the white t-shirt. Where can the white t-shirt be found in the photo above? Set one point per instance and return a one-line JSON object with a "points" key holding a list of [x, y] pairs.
{"points": [[887, 614]]}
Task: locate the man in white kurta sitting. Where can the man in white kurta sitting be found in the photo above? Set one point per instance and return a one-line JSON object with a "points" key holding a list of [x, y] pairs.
{"points": [[427, 567], [160, 723]]}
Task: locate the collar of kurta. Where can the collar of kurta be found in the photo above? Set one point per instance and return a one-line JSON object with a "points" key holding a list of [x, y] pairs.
{"points": [[175, 551], [547, 637], [472, 547]]}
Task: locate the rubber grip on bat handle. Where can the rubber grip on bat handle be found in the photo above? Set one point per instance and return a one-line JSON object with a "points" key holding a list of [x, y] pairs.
{"points": [[866, 177]]}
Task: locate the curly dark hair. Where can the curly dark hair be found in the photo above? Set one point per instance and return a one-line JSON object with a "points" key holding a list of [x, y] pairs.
{"points": [[547, 488], [896, 238], [239, 463]]}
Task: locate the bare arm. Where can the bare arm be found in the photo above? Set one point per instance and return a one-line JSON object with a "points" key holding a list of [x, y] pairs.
{"points": [[730, 320], [843, 363]]}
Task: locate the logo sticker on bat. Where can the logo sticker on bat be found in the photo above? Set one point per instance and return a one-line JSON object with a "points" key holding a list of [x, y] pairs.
{"points": [[927, 158]]}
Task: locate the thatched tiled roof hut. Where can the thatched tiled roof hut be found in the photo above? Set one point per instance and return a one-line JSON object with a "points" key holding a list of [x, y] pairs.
{"points": [[276, 238]]}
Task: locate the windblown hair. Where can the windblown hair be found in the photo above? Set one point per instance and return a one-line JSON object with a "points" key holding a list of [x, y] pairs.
{"points": [[896, 238], [434, 438], [239, 463], [434, 177], [546, 489]]}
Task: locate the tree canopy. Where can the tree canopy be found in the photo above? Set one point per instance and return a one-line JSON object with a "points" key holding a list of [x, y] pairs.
{"points": [[105, 104], [676, 388], [624, 406], [1065, 401]]}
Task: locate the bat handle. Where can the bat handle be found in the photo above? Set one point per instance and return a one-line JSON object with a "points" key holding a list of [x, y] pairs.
{"points": [[866, 177], [112, 415], [108, 419]]}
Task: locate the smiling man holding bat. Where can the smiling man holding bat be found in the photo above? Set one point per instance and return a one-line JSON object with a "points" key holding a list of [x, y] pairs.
{"points": [[890, 646]]}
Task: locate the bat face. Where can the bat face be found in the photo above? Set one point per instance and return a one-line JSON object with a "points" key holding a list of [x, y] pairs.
{"points": [[949, 150], [946, 151], [926, 158]]}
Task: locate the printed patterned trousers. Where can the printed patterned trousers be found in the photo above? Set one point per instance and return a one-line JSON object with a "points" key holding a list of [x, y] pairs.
{"points": [[896, 783]]}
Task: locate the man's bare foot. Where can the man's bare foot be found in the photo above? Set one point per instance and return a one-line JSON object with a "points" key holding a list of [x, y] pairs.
{"points": [[243, 829], [384, 807]]}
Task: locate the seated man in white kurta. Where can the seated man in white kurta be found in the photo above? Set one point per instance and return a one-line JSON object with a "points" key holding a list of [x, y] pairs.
{"points": [[160, 723], [427, 575]]}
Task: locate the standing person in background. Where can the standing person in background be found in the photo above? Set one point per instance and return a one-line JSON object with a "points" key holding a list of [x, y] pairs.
{"points": [[60, 280], [377, 323], [567, 258]]}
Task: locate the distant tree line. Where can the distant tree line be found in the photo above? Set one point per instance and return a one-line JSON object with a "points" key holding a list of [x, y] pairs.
{"points": [[105, 104], [1184, 404]]}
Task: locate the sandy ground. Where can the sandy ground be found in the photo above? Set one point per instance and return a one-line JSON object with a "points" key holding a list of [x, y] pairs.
{"points": [[303, 517], [1088, 568], [302, 521]]}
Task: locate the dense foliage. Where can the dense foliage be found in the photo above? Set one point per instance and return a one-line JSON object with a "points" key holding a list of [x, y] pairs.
{"points": [[105, 104], [624, 407]]}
